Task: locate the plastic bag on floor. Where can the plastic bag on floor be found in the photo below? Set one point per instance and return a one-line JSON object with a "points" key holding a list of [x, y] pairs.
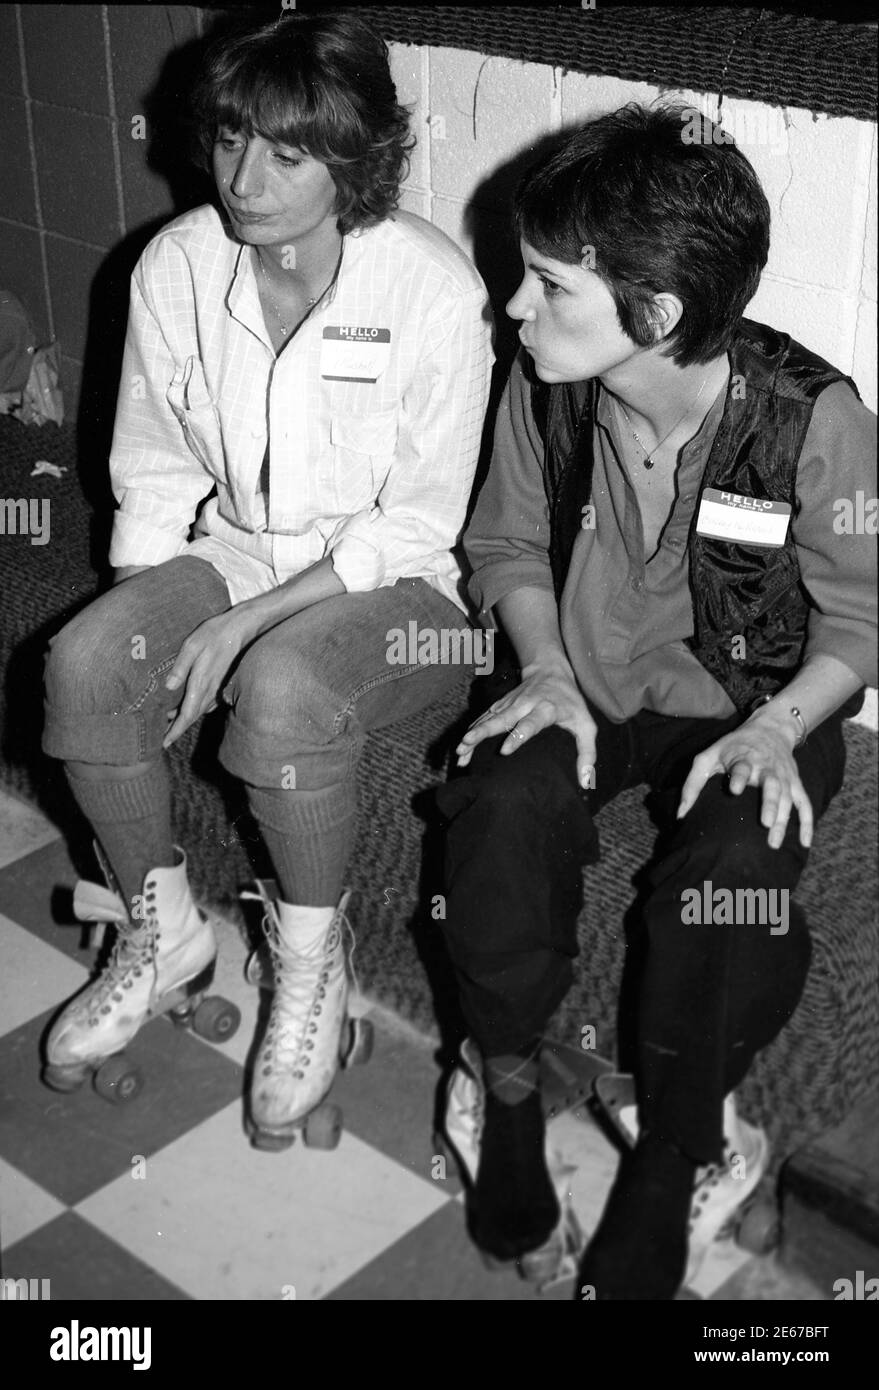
{"points": [[29, 376], [18, 343], [42, 398]]}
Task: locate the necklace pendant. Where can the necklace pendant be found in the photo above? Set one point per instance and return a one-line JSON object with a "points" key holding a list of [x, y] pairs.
{"points": [[648, 462]]}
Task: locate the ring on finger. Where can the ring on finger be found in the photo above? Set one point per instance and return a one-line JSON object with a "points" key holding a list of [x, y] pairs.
{"points": [[516, 733]]}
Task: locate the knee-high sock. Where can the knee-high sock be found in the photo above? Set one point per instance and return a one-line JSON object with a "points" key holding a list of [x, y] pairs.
{"points": [[131, 817], [310, 837]]}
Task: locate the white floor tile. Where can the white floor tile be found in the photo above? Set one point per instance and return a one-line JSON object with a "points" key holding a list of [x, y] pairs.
{"points": [[224, 1221], [22, 829], [33, 976], [24, 1207]]}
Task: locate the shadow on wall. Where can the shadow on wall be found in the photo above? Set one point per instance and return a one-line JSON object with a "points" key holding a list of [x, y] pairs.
{"points": [[488, 222], [167, 153]]}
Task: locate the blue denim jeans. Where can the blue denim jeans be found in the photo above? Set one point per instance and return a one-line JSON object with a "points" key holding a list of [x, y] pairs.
{"points": [[301, 699]]}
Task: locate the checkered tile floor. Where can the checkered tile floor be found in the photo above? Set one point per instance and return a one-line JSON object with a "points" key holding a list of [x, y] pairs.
{"points": [[165, 1199]]}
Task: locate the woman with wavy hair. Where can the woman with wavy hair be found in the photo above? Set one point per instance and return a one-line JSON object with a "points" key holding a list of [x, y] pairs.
{"points": [[303, 389]]}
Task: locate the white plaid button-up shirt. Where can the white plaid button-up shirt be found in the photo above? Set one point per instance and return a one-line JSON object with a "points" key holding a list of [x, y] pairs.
{"points": [[376, 474]]}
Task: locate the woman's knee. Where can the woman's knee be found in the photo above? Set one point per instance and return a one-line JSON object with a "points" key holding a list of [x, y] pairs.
{"points": [[530, 802], [275, 693], [89, 663]]}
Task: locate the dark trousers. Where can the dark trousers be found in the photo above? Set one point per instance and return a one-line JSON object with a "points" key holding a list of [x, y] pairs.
{"points": [[711, 995]]}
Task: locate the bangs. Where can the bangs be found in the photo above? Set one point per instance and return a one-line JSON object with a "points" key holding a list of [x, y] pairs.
{"points": [[257, 96], [316, 83], [548, 216]]}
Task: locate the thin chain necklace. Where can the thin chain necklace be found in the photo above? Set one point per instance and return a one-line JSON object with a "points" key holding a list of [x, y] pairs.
{"points": [[649, 459], [310, 303]]}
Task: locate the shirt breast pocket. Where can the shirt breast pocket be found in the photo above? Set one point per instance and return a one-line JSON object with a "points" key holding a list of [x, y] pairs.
{"points": [[191, 403], [363, 451]]}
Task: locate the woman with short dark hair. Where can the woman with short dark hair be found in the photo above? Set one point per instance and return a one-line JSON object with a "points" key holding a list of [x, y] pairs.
{"points": [[305, 372], [656, 537]]}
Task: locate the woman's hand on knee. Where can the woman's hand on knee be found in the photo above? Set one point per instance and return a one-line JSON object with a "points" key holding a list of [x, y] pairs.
{"points": [[202, 666], [757, 754], [545, 698]]}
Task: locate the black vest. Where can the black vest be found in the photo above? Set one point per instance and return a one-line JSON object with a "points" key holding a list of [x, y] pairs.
{"points": [[738, 590]]}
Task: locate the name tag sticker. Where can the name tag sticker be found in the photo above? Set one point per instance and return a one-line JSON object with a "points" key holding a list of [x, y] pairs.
{"points": [[354, 354], [725, 516]]}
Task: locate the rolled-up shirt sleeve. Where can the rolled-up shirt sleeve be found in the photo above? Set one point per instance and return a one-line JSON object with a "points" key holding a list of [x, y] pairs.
{"points": [[507, 540], [834, 530], [420, 508], [157, 480]]}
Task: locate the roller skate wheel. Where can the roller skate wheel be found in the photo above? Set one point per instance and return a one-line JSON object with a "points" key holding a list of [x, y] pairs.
{"points": [[759, 1229], [271, 1143], [216, 1019], [62, 1078], [361, 1038], [323, 1128], [118, 1080]]}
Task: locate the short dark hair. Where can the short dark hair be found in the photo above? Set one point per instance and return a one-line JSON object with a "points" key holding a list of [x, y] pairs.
{"points": [[321, 83], [663, 209]]}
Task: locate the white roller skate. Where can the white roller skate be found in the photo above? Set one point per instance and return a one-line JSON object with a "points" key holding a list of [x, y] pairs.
{"points": [[555, 1260], [161, 962], [722, 1191], [309, 1034]]}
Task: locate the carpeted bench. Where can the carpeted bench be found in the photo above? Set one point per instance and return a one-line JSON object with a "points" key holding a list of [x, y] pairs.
{"points": [[823, 1063]]}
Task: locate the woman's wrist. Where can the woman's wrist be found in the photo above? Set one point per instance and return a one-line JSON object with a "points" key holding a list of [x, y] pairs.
{"points": [[250, 619], [547, 661], [783, 716]]}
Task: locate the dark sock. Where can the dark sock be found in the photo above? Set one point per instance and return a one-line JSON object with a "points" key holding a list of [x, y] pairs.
{"points": [[131, 817], [310, 837], [639, 1251], [516, 1209]]}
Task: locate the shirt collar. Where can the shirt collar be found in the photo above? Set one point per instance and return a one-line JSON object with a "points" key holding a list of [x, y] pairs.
{"points": [[242, 297]]}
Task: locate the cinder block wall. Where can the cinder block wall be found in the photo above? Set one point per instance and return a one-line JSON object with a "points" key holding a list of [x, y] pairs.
{"points": [[74, 79], [75, 83], [473, 114]]}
